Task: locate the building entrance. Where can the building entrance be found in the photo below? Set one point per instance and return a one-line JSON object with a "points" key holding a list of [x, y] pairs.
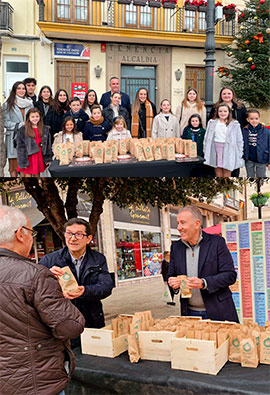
{"points": [[135, 77]]}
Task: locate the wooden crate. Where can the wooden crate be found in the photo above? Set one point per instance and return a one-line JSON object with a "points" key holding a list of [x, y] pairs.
{"points": [[198, 355], [155, 345], [100, 342]]}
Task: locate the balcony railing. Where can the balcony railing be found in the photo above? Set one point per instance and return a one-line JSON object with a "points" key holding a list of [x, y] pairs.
{"points": [[6, 17], [111, 14]]}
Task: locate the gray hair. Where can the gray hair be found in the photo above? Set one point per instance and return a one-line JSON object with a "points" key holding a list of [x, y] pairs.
{"points": [[11, 219], [194, 211], [114, 78]]}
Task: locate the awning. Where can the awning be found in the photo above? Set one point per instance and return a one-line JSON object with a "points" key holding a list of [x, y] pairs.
{"points": [[213, 230], [35, 216]]}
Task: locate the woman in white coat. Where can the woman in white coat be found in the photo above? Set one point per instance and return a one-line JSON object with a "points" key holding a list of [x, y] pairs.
{"points": [[15, 110], [165, 124]]}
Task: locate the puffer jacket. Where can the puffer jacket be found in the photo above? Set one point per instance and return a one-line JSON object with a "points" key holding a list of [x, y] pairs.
{"points": [[94, 276], [36, 323]]}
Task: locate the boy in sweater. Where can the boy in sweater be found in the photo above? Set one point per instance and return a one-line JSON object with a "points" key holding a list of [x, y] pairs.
{"points": [[75, 111], [256, 145]]}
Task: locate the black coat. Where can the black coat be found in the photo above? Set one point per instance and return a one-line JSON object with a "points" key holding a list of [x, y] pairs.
{"points": [[105, 100], [80, 118], [27, 146], [240, 114], [216, 266], [94, 276], [96, 132], [48, 118], [108, 115]]}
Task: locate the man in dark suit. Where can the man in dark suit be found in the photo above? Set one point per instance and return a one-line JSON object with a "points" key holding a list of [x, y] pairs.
{"points": [[208, 264], [105, 100]]}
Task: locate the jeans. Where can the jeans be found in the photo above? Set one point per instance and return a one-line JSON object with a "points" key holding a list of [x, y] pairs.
{"points": [[255, 169], [194, 313]]}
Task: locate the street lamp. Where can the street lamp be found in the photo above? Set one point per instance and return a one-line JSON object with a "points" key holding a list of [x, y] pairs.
{"points": [[210, 47]]}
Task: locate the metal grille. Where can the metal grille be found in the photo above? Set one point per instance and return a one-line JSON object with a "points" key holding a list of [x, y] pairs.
{"points": [[68, 72], [195, 78], [131, 85]]}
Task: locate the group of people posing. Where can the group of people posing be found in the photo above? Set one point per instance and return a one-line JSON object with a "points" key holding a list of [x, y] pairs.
{"points": [[35, 124]]}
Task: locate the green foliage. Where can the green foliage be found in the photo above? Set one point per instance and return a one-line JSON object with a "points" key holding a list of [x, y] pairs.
{"points": [[251, 49]]}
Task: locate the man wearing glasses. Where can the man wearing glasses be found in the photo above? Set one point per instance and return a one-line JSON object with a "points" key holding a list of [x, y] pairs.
{"points": [[89, 268], [36, 320]]}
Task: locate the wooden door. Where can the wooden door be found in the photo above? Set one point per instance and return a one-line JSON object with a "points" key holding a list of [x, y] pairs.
{"points": [[69, 72]]}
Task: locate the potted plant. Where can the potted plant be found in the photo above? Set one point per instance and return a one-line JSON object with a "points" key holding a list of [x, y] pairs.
{"points": [[141, 3], [259, 199], [229, 11], [190, 5], [202, 5], [169, 3], [154, 3], [124, 2]]}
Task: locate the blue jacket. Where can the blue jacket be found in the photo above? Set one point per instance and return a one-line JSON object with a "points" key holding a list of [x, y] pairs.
{"points": [[263, 144], [216, 266], [80, 118], [94, 276], [96, 132], [105, 100]]}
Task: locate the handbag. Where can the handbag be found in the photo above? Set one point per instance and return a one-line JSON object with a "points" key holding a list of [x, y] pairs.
{"points": [[14, 139], [166, 297]]}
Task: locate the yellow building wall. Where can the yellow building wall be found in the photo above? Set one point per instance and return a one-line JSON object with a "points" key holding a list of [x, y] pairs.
{"points": [[25, 16]]}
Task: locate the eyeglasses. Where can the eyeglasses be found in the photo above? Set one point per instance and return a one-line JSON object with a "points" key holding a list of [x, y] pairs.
{"points": [[34, 232], [78, 236]]}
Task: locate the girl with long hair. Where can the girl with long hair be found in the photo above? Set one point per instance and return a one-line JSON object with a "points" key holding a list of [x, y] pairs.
{"points": [[143, 114], [69, 133], [223, 142], [61, 106], [119, 130], [165, 123], [33, 145], [15, 111], [89, 100], [45, 104], [195, 132], [191, 104]]}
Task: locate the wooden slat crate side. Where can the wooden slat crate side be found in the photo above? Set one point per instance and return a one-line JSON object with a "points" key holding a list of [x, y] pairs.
{"points": [[97, 342], [198, 355], [155, 345], [120, 345]]}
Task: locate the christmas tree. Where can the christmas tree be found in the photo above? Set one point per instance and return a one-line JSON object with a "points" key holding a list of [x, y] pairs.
{"points": [[249, 70]]}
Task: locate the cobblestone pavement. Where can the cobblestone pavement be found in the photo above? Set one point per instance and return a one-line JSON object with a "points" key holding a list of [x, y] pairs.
{"points": [[140, 295]]}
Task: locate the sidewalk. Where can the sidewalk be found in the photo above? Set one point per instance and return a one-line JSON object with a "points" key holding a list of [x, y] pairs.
{"points": [[145, 294]]}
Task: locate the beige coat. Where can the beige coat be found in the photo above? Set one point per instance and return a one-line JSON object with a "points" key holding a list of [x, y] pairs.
{"points": [[163, 128], [186, 114], [59, 139]]}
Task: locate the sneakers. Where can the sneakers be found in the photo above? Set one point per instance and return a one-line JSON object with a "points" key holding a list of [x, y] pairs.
{"points": [[171, 303]]}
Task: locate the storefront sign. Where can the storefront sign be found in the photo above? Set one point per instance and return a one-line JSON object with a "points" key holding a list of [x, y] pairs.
{"points": [[72, 50], [139, 214], [21, 200], [79, 90]]}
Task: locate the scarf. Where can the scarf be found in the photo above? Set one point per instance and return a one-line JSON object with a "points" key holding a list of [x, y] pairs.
{"points": [[23, 102], [135, 121], [96, 122]]}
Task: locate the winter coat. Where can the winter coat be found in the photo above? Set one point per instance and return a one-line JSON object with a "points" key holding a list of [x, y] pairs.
{"points": [[239, 114], [200, 137], [96, 132], [216, 267], [106, 100], [94, 276], [11, 118], [80, 118], [163, 128], [59, 139], [57, 121], [27, 146], [263, 144], [36, 323], [108, 115], [48, 118], [115, 135], [184, 113], [233, 147]]}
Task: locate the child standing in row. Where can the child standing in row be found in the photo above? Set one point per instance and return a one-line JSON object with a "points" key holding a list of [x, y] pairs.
{"points": [[96, 128], [195, 132], [119, 130], [165, 124], [77, 113], [223, 142], [256, 145], [33, 145]]}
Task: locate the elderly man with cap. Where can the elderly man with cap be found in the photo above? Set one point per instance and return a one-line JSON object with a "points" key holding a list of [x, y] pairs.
{"points": [[208, 264], [36, 319]]}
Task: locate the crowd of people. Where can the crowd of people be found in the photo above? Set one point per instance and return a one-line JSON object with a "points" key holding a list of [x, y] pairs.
{"points": [[231, 138]]}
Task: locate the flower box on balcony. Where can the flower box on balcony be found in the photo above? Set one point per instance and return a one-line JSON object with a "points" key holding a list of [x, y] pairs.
{"points": [[124, 2], [202, 8], [141, 3], [167, 4], [190, 7], [228, 11], [102, 1], [154, 3]]}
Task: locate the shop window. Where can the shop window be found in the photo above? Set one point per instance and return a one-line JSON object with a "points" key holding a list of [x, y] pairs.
{"points": [[195, 78], [72, 10], [128, 254], [194, 21], [138, 17], [151, 253]]}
